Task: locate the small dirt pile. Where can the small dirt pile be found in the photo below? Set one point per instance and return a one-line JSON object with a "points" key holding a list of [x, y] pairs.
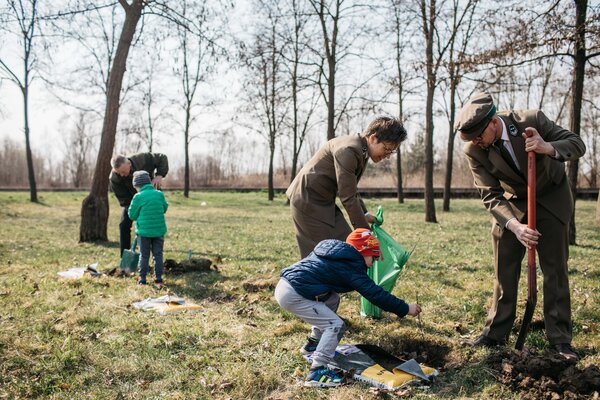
{"points": [[173, 267]]}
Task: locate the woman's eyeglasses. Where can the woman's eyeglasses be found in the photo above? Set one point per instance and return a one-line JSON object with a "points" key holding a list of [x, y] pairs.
{"points": [[388, 150]]}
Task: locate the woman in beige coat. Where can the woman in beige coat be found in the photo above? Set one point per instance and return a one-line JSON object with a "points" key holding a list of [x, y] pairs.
{"points": [[335, 171]]}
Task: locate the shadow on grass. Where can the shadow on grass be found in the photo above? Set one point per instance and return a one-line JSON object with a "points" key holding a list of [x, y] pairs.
{"points": [[200, 286], [595, 274], [589, 246], [224, 256], [110, 244]]}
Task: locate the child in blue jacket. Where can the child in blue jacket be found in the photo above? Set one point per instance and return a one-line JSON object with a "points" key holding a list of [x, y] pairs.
{"points": [[309, 289]]}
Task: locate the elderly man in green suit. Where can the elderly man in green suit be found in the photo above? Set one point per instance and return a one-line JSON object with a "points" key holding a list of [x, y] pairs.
{"points": [[335, 171], [121, 183], [496, 149]]}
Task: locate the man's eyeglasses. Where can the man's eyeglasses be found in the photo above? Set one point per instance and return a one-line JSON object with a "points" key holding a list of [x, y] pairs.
{"points": [[478, 137], [389, 150]]}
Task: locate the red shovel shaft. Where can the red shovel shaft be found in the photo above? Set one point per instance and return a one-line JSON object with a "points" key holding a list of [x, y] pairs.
{"points": [[531, 200], [531, 268]]}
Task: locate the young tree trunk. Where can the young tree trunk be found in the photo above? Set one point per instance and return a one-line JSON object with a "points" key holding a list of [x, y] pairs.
{"points": [[271, 158], [428, 30], [429, 195], [331, 101], [577, 92], [30, 171], [186, 144], [450, 147], [94, 208], [598, 210], [399, 186]]}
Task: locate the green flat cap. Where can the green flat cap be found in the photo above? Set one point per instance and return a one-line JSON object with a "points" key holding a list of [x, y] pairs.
{"points": [[474, 116]]}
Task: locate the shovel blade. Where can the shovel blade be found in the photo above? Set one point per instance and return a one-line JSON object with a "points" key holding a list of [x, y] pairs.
{"points": [[527, 317], [412, 367]]}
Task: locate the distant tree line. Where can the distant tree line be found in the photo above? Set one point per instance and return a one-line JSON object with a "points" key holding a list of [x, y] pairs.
{"points": [[148, 72]]}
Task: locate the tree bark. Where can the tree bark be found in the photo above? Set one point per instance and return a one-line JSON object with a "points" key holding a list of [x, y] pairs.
{"points": [[428, 30], [94, 208], [577, 92], [30, 171], [186, 150], [598, 210], [450, 147]]}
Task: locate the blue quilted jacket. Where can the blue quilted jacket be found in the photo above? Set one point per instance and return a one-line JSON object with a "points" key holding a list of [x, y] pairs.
{"points": [[336, 266]]}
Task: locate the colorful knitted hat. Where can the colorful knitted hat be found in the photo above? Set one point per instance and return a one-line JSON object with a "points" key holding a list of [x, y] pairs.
{"points": [[365, 242]]}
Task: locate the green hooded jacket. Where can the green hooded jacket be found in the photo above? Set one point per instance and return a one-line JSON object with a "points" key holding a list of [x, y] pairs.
{"points": [[148, 209], [122, 186]]}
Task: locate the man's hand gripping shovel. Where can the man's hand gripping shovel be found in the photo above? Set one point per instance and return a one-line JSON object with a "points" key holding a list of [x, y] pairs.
{"points": [[531, 267]]}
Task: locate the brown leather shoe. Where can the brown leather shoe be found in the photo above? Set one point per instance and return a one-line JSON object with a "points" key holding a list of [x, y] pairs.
{"points": [[481, 341], [566, 351]]}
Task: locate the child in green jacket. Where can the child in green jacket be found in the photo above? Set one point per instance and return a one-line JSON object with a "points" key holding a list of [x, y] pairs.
{"points": [[147, 209]]}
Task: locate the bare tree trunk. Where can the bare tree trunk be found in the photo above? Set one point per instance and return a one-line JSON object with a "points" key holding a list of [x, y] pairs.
{"points": [[273, 96], [399, 49], [186, 150], [451, 137], [577, 91], [94, 208], [331, 101], [149, 115], [428, 30], [27, 25], [32, 185], [399, 186], [598, 210], [271, 158], [330, 47]]}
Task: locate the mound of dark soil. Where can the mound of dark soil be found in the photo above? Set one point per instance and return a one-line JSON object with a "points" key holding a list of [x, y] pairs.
{"points": [[173, 267], [260, 285], [546, 376]]}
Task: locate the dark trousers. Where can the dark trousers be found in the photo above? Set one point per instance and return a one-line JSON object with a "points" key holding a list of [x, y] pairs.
{"points": [[125, 230], [154, 245], [553, 253]]}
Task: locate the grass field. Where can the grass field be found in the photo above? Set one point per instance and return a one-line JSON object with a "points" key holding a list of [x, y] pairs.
{"points": [[77, 339]]}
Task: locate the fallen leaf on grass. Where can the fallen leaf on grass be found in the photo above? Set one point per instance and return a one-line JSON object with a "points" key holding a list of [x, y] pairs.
{"points": [[591, 328]]}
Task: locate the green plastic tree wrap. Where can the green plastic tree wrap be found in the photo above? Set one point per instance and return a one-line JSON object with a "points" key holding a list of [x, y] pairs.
{"points": [[384, 272]]}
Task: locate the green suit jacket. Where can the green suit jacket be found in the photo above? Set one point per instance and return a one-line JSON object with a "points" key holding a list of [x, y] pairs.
{"points": [[333, 171], [503, 191]]}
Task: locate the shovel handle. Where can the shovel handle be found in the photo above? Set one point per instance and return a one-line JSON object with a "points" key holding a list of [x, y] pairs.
{"points": [[531, 223], [531, 268]]}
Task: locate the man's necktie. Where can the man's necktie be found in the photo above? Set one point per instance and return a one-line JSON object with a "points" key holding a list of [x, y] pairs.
{"points": [[499, 145]]}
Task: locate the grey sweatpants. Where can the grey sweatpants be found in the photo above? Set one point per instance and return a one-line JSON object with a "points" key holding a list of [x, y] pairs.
{"points": [[327, 326]]}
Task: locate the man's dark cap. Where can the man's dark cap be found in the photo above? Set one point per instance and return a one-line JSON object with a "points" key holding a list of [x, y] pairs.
{"points": [[474, 116]]}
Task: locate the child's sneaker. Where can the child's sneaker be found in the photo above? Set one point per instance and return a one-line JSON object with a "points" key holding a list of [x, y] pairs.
{"points": [[159, 283], [310, 346], [141, 281], [323, 377]]}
